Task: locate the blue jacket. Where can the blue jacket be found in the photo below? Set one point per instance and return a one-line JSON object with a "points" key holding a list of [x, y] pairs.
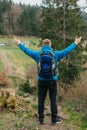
{"points": [[58, 55]]}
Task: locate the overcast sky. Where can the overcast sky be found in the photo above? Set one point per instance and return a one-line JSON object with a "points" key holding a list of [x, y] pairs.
{"points": [[34, 2], [31, 2], [82, 3]]}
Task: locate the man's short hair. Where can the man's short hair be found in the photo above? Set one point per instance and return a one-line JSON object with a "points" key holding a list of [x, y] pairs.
{"points": [[47, 42]]}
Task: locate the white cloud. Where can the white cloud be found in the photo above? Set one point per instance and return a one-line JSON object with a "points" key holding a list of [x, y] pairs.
{"points": [[83, 4], [31, 2]]}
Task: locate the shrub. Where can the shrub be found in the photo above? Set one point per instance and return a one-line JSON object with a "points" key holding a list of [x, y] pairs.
{"points": [[24, 87], [68, 72], [3, 80]]}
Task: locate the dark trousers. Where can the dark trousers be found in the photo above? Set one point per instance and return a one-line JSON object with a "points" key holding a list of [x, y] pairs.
{"points": [[43, 86]]}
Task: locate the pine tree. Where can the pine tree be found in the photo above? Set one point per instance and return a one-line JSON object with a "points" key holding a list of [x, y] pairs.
{"points": [[61, 22], [4, 7], [28, 20]]}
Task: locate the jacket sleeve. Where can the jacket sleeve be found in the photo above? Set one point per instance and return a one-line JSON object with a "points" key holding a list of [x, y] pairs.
{"points": [[33, 54], [61, 54]]}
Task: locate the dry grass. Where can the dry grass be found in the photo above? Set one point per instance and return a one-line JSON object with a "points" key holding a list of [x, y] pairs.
{"points": [[3, 79], [77, 93]]}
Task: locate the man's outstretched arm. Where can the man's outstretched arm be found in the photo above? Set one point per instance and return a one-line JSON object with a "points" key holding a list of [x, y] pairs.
{"points": [[33, 54], [61, 54]]}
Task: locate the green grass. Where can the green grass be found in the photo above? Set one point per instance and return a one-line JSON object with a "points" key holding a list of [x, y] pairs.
{"points": [[10, 40], [5, 39], [17, 58], [84, 53], [76, 119], [84, 122], [19, 61]]}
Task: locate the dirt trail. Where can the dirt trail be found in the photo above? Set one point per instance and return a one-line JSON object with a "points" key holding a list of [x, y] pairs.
{"points": [[13, 122], [8, 71], [10, 66], [47, 121]]}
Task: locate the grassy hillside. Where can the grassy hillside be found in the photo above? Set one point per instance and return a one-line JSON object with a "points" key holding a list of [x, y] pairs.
{"points": [[12, 60]]}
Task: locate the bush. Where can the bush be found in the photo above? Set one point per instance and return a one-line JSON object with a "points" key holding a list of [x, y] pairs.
{"points": [[3, 80], [68, 72], [24, 88]]}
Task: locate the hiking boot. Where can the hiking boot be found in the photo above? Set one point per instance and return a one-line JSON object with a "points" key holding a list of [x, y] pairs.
{"points": [[40, 122], [57, 121]]}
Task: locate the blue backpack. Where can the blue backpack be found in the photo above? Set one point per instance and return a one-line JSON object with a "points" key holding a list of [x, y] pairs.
{"points": [[46, 65]]}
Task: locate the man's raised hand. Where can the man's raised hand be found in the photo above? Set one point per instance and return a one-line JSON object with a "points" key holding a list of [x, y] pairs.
{"points": [[17, 41], [77, 40]]}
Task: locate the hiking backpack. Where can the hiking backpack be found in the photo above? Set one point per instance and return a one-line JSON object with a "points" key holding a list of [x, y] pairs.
{"points": [[46, 65]]}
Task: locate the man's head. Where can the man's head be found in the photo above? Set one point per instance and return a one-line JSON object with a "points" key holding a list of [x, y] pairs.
{"points": [[46, 42]]}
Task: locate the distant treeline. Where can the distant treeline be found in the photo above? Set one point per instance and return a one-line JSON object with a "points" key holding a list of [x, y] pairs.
{"points": [[21, 19], [18, 19]]}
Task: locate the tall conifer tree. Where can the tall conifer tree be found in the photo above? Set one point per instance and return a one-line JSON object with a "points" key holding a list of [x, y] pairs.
{"points": [[61, 22]]}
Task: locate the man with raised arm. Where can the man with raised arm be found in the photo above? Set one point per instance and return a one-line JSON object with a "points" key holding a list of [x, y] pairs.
{"points": [[47, 60]]}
